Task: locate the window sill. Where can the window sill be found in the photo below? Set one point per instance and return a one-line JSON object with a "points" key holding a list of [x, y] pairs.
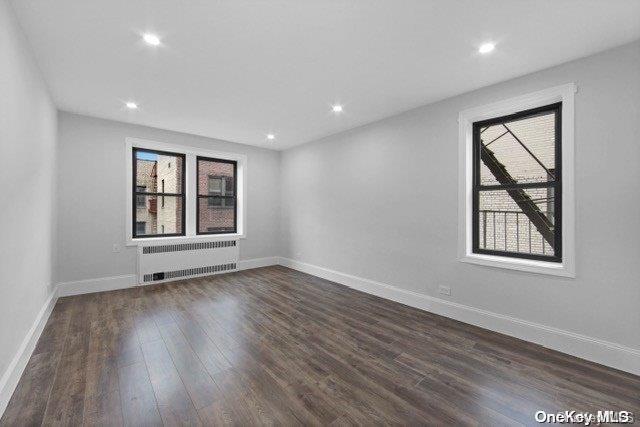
{"points": [[531, 266], [184, 239]]}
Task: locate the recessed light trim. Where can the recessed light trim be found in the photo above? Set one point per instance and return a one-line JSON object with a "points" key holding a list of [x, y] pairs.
{"points": [[271, 137], [132, 105], [486, 48], [337, 108], [151, 39]]}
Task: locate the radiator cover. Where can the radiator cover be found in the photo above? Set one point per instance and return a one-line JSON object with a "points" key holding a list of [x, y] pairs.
{"points": [[163, 262]]}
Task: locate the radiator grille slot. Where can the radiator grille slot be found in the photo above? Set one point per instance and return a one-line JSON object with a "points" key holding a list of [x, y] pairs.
{"points": [[187, 247], [193, 271]]}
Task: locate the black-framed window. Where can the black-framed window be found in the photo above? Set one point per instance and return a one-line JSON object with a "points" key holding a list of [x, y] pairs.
{"points": [[517, 185], [158, 175], [217, 190]]}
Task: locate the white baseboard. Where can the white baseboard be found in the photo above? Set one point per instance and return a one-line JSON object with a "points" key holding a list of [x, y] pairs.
{"points": [[258, 262], [102, 284], [96, 285], [12, 374], [596, 350]]}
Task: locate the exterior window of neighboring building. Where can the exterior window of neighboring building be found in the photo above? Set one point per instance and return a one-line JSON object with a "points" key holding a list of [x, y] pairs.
{"points": [[153, 179], [517, 185], [217, 190], [140, 200], [218, 186], [141, 227], [215, 186]]}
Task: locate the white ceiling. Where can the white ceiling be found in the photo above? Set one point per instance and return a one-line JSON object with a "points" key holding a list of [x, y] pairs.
{"points": [[239, 69]]}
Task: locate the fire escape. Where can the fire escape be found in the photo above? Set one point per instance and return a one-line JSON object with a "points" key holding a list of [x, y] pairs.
{"points": [[153, 201], [538, 218]]}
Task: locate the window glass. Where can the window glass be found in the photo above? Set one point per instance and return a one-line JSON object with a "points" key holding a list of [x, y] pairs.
{"points": [[154, 166], [140, 201], [517, 185], [141, 227], [216, 196], [216, 175], [523, 149], [216, 219], [159, 193], [160, 220], [518, 221]]}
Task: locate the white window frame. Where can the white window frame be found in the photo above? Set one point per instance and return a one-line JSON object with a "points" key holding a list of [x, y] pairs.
{"points": [[191, 153], [565, 94]]}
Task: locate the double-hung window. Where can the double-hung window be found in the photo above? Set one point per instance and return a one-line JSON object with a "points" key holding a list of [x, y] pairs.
{"points": [[216, 204], [155, 179], [183, 193], [516, 183]]}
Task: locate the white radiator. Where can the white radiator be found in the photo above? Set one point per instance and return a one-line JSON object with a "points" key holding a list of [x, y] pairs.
{"points": [[161, 263]]}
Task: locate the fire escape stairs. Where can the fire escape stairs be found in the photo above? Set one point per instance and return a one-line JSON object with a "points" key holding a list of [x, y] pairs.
{"points": [[522, 199]]}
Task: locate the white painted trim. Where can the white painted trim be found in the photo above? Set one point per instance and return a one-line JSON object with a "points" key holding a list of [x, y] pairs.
{"points": [[531, 266], [12, 374], [100, 284], [247, 264], [596, 350], [564, 93], [158, 241], [190, 191]]}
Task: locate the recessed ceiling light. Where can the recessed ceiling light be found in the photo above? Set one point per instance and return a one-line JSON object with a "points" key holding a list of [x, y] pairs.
{"points": [[151, 39], [486, 48], [271, 137], [337, 108], [132, 105]]}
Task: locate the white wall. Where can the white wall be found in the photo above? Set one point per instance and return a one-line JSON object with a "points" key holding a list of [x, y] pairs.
{"points": [[91, 195], [380, 202], [27, 174]]}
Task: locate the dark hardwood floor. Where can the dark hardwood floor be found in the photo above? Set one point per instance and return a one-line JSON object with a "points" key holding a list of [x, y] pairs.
{"points": [[275, 346]]}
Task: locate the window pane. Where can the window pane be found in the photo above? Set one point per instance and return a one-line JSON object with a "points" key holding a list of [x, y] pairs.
{"points": [[228, 202], [141, 227], [216, 178], [154, 169], [140, 200], [156, 217], [215, 185], [215, 219], [519, 220], [519, 150]]}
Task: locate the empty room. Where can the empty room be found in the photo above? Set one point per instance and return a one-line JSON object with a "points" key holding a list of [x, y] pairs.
{"points": [[319, 212]]}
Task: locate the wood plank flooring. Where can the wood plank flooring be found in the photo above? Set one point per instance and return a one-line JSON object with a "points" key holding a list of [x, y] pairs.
{"points": [[279, 347]]}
